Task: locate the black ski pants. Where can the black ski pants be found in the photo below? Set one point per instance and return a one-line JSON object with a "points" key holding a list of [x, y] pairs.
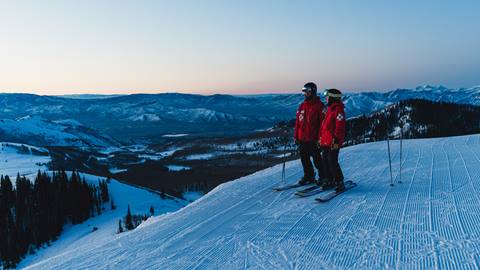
{"points": [[331, 167], [310, 150]]}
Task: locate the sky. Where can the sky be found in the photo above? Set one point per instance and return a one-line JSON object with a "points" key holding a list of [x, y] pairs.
{"points": [[236, 47]]}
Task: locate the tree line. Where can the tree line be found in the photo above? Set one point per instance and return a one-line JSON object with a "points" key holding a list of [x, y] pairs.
{"points": [[414, 118], [33, 214]]}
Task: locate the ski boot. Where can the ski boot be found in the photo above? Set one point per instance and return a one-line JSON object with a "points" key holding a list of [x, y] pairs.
{"points": [[306, 181], [339, 186]]}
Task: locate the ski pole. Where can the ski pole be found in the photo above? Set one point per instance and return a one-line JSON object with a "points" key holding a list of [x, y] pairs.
{"points": [[285, 138], [390, 162], [401, 147], [284, 160]]}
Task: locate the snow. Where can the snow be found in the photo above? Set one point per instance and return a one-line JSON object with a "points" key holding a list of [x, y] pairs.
{"points": [[147, 117], [176, 168], [200, 156], [192, 195], [117, 170], [70, 122], [151, 157], [282, 155], [27, 163], [80, 236], [39, 131], [170, 152], [13, 161], [430, 221], [174, 135]]}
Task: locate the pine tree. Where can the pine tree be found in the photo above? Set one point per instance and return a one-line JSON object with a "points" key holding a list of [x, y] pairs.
{"points": [[104, 190], [128, 220], [120, 228]]}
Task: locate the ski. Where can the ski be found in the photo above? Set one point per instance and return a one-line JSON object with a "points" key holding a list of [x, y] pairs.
{"points": [[310, 191], [306, 190], [332, 194], [282, 188], [314, 190]]}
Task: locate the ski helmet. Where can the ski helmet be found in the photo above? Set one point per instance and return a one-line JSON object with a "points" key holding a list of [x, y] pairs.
{"points": [[310, 87], [333, 93]]}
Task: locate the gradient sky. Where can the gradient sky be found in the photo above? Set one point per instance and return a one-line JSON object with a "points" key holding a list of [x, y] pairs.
{"points": [[244, 46]]}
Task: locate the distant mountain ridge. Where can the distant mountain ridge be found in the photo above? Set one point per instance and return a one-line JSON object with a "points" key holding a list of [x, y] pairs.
{"points": [[147, 116], [39, 131]]}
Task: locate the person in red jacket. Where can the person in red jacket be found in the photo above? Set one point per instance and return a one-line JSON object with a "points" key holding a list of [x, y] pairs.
{"points": [[307, 133], [332, 137]]}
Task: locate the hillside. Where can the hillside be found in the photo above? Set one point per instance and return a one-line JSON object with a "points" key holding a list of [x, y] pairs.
{"points": [[419, 118], [36, 130], [428, 221], [27, 160], [24, 159]]}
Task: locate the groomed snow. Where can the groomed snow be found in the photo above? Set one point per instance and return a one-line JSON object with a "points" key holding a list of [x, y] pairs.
{"points": [[429, 221]]}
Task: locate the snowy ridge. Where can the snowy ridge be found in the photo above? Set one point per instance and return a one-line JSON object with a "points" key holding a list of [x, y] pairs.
{"points": [[39, 131], [367, 102], [429, 221]]}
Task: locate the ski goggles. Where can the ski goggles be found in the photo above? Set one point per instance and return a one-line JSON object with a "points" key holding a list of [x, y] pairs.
{"points": [[328, 94], [307, 89]]}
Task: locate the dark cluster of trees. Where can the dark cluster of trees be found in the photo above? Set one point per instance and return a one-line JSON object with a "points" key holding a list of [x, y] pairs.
{"points": [[417, 118], [33, 214], [130, 221]]}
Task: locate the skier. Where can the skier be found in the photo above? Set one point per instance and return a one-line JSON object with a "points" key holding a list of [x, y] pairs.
{"points": [[307, 128], [332, 137]]}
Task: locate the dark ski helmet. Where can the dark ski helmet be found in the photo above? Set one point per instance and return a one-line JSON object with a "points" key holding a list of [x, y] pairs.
{"points": [[333, 93], [310, 87]]}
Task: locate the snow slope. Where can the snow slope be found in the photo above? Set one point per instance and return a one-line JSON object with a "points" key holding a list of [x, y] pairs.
{"points": [[21, 158], [82, 236], [39, 131], [429, 221], [27, 160]]}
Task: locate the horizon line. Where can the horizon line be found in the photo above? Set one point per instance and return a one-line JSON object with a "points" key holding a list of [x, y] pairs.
{"points": [[211, 93]]}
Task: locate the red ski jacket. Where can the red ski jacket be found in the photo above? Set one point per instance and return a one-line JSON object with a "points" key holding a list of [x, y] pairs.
{"points": [[309, 120], [333, 126]]}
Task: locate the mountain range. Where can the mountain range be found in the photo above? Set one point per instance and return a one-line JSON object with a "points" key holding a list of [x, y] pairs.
{"points": [[136, 117]]}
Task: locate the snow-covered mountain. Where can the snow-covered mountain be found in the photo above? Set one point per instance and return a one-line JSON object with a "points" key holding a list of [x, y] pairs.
{"points": [[36, 130], [366, 102], [429, 221], [148, 115]]}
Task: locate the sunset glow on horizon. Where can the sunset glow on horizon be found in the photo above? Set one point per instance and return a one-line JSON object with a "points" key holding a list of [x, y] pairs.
{"points": [[235, 47]]}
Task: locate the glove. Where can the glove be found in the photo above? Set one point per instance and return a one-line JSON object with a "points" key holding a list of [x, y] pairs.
{"points": [[334, 145]]}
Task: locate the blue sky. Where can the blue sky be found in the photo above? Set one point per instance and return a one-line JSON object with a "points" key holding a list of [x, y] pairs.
{"points": [[65, 47]]}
